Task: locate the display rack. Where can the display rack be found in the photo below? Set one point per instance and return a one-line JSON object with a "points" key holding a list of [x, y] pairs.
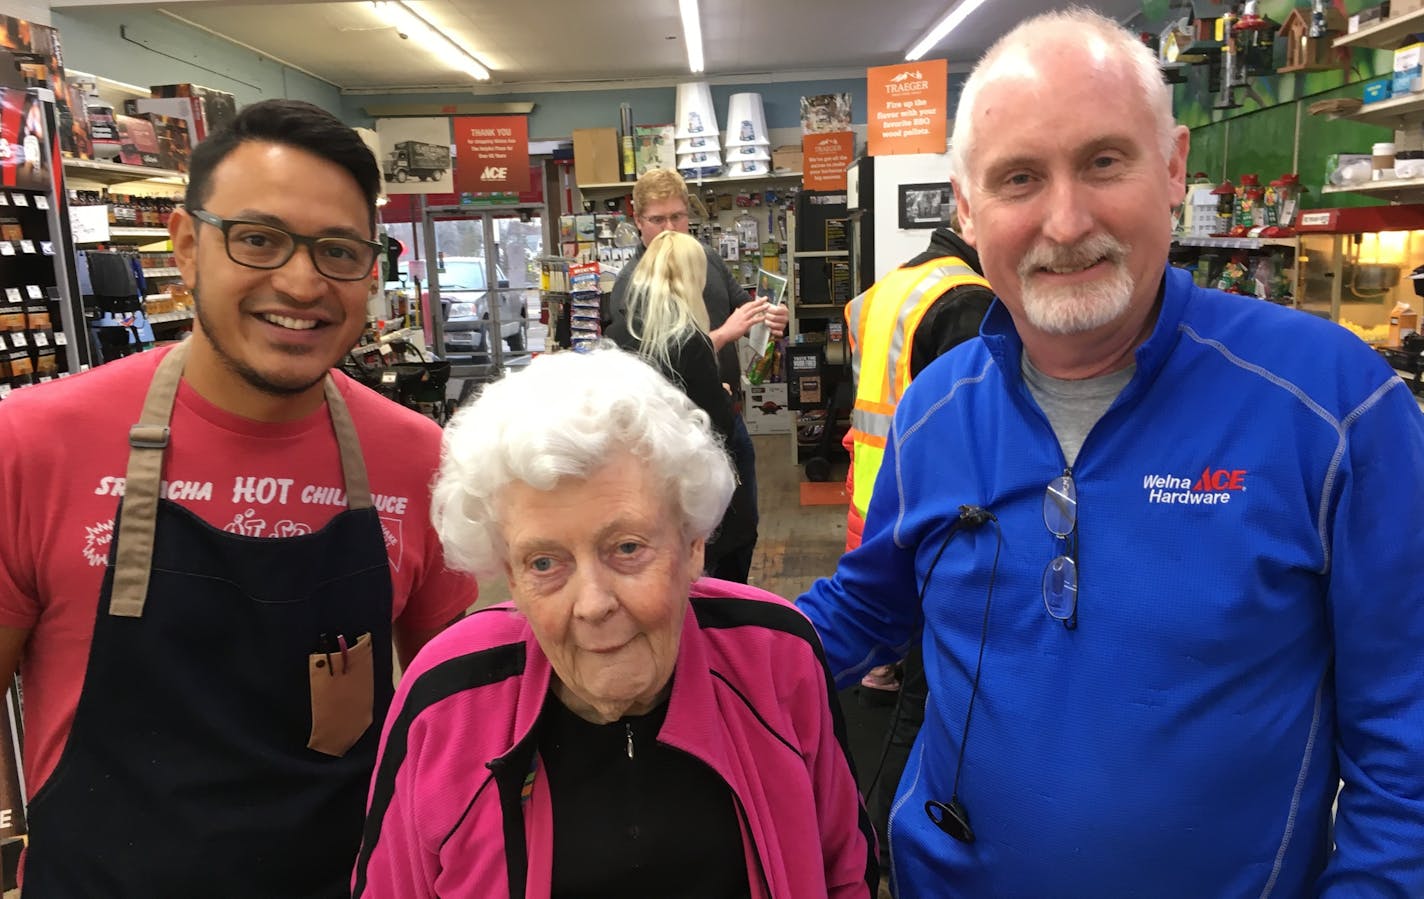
{"points": [[41, 323], [1399, 113], [835, 354]]}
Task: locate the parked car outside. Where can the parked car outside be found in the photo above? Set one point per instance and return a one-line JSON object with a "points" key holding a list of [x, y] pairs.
{"points": [[463, 301]]}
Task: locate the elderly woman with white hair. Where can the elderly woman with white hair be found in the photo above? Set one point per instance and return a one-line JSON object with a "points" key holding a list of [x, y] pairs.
{"points": [[622, 728]]}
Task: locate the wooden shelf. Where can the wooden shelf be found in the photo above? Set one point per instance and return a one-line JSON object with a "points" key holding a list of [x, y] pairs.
{"points": [[1386, 34], [1394, 113], [627, 186], [118, 173], [821, 254], [1396, 190]]}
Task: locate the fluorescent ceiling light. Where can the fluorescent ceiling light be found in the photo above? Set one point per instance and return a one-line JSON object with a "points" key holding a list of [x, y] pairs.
{"points": [[413, 26], [936, 34], [692, 33]]}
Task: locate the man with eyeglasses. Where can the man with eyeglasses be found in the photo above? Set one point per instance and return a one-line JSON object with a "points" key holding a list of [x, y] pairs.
{"points": [[1158, 543], [660, 204], [207, 550]]}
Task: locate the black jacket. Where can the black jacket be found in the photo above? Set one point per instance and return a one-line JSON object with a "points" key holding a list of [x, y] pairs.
{"points": [[954, 317]]}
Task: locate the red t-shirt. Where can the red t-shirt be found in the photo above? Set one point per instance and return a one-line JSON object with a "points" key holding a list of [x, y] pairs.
{"points": [[63, 455]]}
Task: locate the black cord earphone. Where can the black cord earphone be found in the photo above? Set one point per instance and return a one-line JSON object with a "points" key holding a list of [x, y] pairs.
{"points": [[952, 817]]}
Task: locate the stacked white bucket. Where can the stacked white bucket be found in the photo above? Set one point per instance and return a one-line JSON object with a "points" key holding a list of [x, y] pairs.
{"points": [[699, 154], [747, 144]]}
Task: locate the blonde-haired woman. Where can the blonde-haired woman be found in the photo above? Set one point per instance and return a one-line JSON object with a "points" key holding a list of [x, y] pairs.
{"points": [[666, 324]]}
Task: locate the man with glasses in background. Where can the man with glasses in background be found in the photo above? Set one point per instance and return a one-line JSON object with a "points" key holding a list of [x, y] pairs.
{"points": [[206, 551], [1159, 543], [660, 204]]}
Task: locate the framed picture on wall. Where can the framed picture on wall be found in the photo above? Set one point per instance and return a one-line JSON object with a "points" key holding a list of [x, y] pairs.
{"points": [[926, 205]]}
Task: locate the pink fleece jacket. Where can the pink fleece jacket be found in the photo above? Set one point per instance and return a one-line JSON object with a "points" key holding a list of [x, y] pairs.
{"points": [[459, 805]]}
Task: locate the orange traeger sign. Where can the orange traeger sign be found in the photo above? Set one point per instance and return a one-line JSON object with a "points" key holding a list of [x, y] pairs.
{"points": [[908, 107], [825, 158]]}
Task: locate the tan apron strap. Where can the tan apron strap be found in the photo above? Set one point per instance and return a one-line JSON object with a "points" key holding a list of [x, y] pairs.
{"points": [[353, 463], [133, 556]]}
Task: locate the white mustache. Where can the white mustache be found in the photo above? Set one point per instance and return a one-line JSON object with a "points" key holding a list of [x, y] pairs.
{"points": [[1076, 256]]}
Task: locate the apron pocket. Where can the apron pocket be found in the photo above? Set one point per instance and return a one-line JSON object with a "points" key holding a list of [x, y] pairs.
{"points": [[342, 696]]}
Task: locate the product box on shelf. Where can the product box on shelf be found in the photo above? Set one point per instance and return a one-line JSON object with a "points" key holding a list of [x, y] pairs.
{"points": [[786, 159], [597, 159], [138, 141], [653, 147], [1407, 68], [1401, 325], [766, 410], [1398, 8], [1367, 16], [1379, 90], [215, 108]]}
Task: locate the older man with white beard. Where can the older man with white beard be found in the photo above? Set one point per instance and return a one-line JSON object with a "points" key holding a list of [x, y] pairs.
{"points": [[1148, 535]]}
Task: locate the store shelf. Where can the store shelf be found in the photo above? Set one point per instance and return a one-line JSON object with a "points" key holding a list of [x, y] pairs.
{"points": [[162, 273], [1395, 189], [139, 233], [822, 254], [818, 310], [162, 318], [627, 186], [1237, 243], [118, 173], [1393, 113], [1384, 35]]}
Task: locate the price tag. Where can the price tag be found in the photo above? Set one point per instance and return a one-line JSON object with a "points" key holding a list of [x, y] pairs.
{"points": [[41, 338], [7, 248], [44, 378], [388, 376], [47, 247], [4, 198], [41, 202], [18, 339], [60, 339], [27, 246], [20, 199], [13, 295], [4, 391], [89, 224], [35, 292]]}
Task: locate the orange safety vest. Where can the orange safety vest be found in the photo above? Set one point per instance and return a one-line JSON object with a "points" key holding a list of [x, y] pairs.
{"points": [[882, 324]]}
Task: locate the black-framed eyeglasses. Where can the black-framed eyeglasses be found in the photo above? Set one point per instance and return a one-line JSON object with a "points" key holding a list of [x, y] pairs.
{"points": [[260, 246], [1060, 577]]}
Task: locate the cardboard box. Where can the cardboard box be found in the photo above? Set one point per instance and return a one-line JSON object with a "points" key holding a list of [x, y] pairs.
{"points": [[1407, 62], [215, 108], [597, 159], [1367, 16], [1401, 325], [789, 158], [1379, 90], [766, 411], [1398, 8], [138, 141]]}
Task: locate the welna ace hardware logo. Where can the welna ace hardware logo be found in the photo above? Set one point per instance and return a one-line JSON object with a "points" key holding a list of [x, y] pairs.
{"points": [[1213, 487]]}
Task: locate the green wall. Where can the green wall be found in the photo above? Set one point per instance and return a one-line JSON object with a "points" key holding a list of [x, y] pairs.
{"points": [[1261, 135]]}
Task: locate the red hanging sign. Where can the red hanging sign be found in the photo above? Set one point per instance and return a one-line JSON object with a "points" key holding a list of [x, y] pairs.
{"points": [[491, 153]]}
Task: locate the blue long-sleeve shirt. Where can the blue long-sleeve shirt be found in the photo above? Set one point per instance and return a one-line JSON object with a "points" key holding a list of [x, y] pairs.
{"points": [[1250, 619]]}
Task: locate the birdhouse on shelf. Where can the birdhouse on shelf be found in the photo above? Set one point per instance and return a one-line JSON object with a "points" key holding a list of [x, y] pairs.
{"points": [[1310, 54]]}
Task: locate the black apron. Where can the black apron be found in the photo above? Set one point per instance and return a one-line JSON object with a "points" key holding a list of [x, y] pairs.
{"points": [[214, 671]]}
